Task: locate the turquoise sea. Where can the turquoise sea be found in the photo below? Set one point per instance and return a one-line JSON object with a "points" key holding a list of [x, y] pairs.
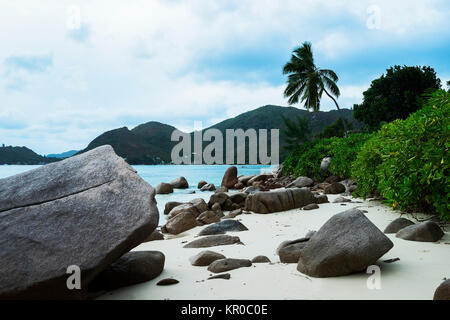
{"points": [[165, 173]]}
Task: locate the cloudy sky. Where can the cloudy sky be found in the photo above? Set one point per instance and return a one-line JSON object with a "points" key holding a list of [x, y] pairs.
{"points": [[70, 70]]}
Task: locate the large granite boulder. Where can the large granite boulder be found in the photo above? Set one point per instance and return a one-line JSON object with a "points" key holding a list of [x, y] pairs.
{"points": [[230, 177], [279, 200], [244, 179], [335, 188], [164, 188], [170, 205], [197, 206], [301, 182], [218, 197], [86, 211], [209, 216], [132, 268], [397, 225], [427, 231], [184, 216], [208, 187], [443, 291], [348, 242], [179, 183]]}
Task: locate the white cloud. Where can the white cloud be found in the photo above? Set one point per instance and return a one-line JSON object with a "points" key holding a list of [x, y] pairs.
{"points": [[139, 58]]}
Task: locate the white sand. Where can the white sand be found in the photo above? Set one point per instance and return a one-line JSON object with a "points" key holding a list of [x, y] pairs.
{"points": [[421, 268]]}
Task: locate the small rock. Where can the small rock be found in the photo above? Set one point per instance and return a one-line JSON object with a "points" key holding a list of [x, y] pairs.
{"points": [[170, 205], [251, 189], [225, 276], [216, 207], [218, 197], [238, 197], [335, 188], [201, 183], [228, 264], [239, 185], [155, 235], [291, 252], [301, 182], [321, 198], [180, 183], [164, 188], [208, 187], [391, 260], [311, 206], [425, 232], [325, 164], [341, 199], [233, 214], [209, 216], [205, 258], [398, 224], [443, 291], [167, 282], [214, 240], [260, 259], [222, 227], [222, 189]]}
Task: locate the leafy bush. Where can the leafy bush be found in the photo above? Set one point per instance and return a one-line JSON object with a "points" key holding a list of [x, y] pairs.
{"points": [[408, 160], [395, 95], [305, 160]]}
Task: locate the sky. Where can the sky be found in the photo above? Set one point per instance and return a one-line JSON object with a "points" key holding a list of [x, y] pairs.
{"points": [[70, 70]]}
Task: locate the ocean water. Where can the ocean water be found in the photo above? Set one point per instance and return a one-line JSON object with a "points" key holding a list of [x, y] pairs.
{"points": [[165, 173]]}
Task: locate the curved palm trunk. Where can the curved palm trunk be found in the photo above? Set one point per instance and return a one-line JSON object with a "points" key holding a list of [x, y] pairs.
{"points": [[337, 106]]}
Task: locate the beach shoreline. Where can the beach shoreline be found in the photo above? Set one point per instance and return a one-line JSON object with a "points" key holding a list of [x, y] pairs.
{"points": [[421, 268]]}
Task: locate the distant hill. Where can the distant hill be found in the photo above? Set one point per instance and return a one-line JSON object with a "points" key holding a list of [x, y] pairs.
{"points": [[62, 155], [22, 155], [149, 143]]}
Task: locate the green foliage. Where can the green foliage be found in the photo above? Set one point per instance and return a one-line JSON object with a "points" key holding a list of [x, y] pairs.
{"points": [[296, 133], [335, 129], [407, 161], [305, 161], [395, 95]]}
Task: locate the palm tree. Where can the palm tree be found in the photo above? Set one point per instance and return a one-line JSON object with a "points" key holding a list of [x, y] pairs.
{"points": [[306, 82]]}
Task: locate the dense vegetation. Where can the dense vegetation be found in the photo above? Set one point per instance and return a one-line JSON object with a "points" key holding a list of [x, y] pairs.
{"points": [[395, 95], [407, 161], [305, 160], [22, 155]]}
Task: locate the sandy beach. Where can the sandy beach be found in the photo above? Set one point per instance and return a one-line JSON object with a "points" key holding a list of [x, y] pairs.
{"points": [[420, 270]]}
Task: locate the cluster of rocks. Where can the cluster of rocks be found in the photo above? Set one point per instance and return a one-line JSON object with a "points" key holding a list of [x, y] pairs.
{"points": [[427, 231], [84, 213], [185, 216], [166, 188]]}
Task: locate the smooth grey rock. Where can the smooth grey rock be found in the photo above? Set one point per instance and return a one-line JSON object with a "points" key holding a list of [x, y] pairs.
{"points": [[335, 188], [208, 187], [348, 242], [167, 282], [132, 268], [244, 179], [183, 221], [205, 258], [397, 225], [228, 264], [164, 188], [212, 241], [443, 291], [341, 199], [87, 210], [222, 189], [425, 232], [325, 164], [179, 183], [301, 182], [291, 252], [225, 276], [251, 189], [260, 259], [197, 206], [209, 216], [321, 198], [222, 227], [311, 206], [260, 177], [279, 200], [289, 242], [233, 214]]}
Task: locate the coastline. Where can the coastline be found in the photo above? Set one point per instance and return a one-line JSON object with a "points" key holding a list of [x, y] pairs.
{"points": [[421, 268]]}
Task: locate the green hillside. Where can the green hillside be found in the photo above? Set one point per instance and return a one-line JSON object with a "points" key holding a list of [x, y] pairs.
{"points": [[22, 155]]}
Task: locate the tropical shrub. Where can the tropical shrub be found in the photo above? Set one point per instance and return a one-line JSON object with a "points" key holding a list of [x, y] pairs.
{"points": [[395, 95], [305, 160], [407, 161]]}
